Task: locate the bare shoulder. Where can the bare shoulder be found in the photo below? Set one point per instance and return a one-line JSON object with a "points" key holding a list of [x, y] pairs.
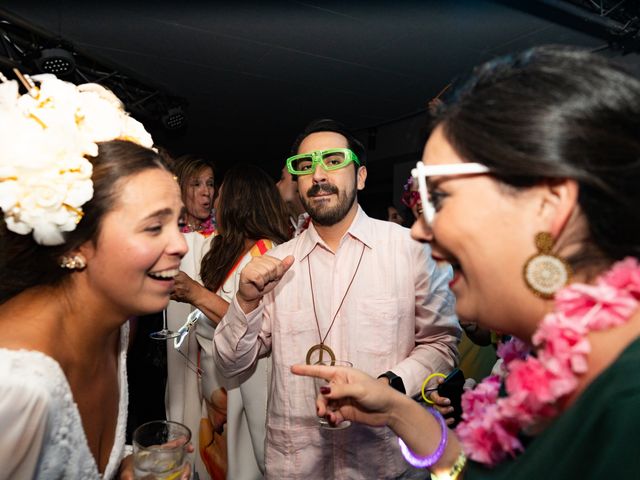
{"points": [[26, 326]]}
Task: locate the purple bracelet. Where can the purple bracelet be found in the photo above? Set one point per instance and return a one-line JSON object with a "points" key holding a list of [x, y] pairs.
{"points": [[429, 460]]}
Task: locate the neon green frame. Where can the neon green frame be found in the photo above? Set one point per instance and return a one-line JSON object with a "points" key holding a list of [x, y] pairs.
{"points": [[316, 159]]}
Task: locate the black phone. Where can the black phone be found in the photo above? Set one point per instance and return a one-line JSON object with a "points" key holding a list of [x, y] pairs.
{"points": [[451, 388]]}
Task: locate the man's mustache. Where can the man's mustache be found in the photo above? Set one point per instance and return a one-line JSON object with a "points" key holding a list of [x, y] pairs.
{"points": [[322, 187]]}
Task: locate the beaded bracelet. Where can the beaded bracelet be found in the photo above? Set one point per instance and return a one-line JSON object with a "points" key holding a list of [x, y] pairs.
{"points": [[455, 471], [426, 462]]}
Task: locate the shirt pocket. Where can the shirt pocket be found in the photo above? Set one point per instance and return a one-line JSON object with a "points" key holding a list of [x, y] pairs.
{"points": [[378, 333], [295, 332], [298, 452], [377, 325]]}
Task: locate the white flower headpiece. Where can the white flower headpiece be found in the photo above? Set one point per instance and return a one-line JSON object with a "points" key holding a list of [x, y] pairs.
{"points": [[44, 138]]}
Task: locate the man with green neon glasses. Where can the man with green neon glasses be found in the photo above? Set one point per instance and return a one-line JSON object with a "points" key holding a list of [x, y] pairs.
{"points": [[328, 193], [332, 159], [347, 288]]}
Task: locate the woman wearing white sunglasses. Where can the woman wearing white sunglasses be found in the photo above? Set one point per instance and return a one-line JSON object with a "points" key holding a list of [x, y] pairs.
{"points": [[529, 185]]}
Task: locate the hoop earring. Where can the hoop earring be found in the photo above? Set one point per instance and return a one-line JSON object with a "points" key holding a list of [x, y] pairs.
{"points": [[545, 273], [75, 262]]}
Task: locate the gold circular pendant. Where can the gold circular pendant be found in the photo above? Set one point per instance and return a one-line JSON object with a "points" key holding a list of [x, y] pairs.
{"points": [[321, 348]]}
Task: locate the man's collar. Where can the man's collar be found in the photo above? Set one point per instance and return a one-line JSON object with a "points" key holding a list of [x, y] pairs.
{"points": [[359, 229]]}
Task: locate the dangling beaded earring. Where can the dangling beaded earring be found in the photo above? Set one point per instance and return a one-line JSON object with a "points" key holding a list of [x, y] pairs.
{"points": [[76, 262], [545, 273]]}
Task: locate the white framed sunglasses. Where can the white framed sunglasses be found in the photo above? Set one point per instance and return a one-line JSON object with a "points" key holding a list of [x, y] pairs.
{"points": [[422, 171]]}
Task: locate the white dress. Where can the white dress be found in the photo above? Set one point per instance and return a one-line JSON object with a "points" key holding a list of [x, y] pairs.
{"points": [[246, 402], [183, 398], [246, 397], [246, 394], [41, 434]]}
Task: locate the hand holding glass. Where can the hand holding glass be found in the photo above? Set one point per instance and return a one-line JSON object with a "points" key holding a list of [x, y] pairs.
{"points": [[331, 406], [160, 450]]}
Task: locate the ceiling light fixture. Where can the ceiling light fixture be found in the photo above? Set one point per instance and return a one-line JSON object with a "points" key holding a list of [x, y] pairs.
{"points": [[174, 119], [57, 61]]}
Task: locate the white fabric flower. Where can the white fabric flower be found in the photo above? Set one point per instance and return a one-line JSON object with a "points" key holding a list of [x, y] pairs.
{"points": [[45, 177], [97, 118], [134, 131]]}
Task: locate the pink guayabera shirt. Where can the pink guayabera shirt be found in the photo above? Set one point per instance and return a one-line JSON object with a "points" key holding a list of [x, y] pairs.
{"points": [[398, 315]]}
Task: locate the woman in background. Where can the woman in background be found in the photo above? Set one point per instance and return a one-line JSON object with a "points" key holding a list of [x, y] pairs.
{"points": [[251, 219], [410, 198], [197, 184], [183, 401]]}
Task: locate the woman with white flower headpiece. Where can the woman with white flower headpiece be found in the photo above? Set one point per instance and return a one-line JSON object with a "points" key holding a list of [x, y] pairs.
{"points": [[89, 236]]}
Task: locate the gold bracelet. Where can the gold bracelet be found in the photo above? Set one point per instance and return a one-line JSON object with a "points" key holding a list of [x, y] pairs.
{"points": [[455, 471]]}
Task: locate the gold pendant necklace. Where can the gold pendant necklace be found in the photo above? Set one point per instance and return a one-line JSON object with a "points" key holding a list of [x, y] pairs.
{"points": [[321, 347]]}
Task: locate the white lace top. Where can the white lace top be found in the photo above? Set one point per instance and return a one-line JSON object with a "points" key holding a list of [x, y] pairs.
{"points": [[41, 434]]}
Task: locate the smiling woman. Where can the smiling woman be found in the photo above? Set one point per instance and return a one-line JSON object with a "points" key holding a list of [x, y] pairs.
{"points": [[133, 243], [529, 185], [74, 267]]}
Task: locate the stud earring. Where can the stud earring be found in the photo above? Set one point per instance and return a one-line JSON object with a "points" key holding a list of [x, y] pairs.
{"points": [[545, 273], [75, 262]]}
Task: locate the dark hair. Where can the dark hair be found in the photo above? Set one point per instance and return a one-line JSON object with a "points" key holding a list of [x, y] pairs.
{"points": [[250, 208], [552, 113], [25, 263], [329, 125], [186, 167]]}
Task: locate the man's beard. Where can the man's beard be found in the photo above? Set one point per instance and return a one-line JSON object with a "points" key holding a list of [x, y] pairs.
{"points": [[327, 216]]}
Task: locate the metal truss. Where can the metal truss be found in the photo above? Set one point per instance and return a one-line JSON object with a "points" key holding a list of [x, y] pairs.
{"points": [[33, 50]]}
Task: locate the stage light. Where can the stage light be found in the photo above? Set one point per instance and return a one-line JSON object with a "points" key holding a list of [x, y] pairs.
{"points": [[57, 61], [174, 119]]}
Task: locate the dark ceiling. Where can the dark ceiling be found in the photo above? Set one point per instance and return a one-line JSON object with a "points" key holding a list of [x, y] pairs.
{"points": [[252, 74]]}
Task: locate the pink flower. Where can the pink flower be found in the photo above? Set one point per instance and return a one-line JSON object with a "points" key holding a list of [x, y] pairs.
{"points": [[556, 325], [206, 228], [485, 393], [489, 439], [506, 434], [531, 380], [536, 384], [565, 344], [625, 275], [579, 300], [563, 384], [512, 349], [514, 407]]}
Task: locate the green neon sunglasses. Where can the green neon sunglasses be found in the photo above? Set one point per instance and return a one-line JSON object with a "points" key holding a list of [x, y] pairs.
{"points": [[332, 159]]}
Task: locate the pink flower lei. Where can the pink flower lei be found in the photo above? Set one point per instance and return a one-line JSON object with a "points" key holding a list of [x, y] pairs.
{"points": [[535, 385], [205, 229]]}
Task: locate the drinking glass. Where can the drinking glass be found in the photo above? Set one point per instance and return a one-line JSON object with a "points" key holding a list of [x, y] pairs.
{"points": [[165, 333], [320, 382], [160, 450]]}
